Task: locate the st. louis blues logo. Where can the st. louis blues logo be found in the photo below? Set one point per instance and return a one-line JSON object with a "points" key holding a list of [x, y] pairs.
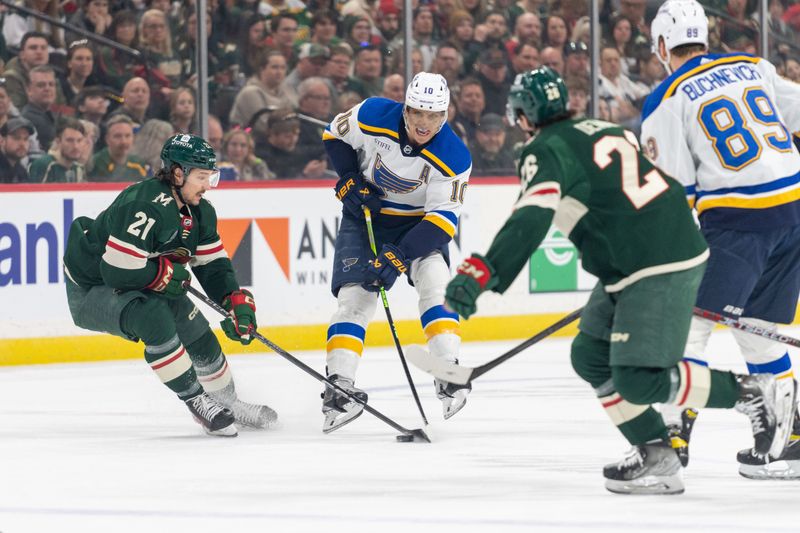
{"points": [[389, 181], [349, 262]]}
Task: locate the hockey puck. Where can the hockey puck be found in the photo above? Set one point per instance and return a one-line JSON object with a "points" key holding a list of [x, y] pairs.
{"points": [[405, 438]]}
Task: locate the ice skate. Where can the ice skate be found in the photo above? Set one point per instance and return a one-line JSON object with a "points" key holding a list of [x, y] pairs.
{"points": [[650, 468], [785, 467], [453, 396], [215, 418], [679, 434], [770, 409], [246, 414], [338, 408]]}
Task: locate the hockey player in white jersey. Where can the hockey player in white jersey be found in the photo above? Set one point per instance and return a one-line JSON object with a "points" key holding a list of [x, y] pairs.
{"points": [[720, 124], [406, 165]]}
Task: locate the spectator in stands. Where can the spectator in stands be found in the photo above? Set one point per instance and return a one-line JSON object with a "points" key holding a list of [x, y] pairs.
{"points": [[214, 137], [582, 31], [536, 7], [115, 162], [490, 156], [783, 35], [41, 95], [314, 100], [476, 8], [337, 72], [220, 56], [576, 62], [578, 90], [80, 63], [348, 100], [624, 95], [16, 25], [62, 163], [92, 104], [367, 80], [284, 32], [114, 67], [238, 154], [470, 103], [651, 71], [252, 46], [150, 139], [7, 109], [311, 61], [388, 20], [182, 111], [619, 36], [492, 69], [634, 10], [92, 134], [555, 33], [448, 63], [295, 8], [525, 57], [33, 53], [793, 69], [462, 35], [496, 29], [527, 30], [156, 44], [14, 145], [93, 16], [135, 101], [738, 28], [358, 32], [279, 148], [394, 88], [266, 90], [324, 24], [553, 58], [423, 35]]}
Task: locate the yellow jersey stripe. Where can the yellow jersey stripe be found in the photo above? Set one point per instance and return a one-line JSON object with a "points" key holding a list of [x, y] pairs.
{"points": [[439, 162], [343, 342], [328, 136], [702, 68], [445, 225], [401, 213], [763, 202], [374, 129]]}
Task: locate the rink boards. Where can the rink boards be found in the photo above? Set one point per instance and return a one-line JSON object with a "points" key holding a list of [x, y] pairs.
{"points": [[280, 237]]}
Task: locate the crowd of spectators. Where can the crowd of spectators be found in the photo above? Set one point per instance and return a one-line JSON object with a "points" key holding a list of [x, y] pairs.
{"points": [[73, 110]]}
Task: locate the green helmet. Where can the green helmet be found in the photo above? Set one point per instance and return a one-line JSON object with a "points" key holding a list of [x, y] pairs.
{"points": [[188, 151], [539, 94]]}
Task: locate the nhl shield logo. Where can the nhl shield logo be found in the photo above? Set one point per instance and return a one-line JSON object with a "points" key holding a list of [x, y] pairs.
{"points": [[407, 149]]}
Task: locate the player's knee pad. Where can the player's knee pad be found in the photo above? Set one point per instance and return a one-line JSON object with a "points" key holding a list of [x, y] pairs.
{"points": [[641, 385], [355, 305], [699, 332], [150, 319], [430, 275], [589, 357], [758, 351], [348, 329]]}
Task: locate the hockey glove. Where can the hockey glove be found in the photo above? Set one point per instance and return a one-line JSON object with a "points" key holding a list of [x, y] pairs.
{"points": [[242, 320], [384, 269], [473, 276], [354, 191], [171, 279]]}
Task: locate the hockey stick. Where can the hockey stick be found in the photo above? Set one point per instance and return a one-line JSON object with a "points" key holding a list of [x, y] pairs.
{"points": [[413, 433], [749, 328], [371, 234], [454, 373]]}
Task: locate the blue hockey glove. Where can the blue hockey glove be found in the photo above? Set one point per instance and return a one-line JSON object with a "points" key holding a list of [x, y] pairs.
{"points": [[354, 191], [384, 269], [473, 276]]}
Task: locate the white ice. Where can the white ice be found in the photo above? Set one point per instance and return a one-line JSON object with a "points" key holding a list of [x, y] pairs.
{"points": [[104, 447]]}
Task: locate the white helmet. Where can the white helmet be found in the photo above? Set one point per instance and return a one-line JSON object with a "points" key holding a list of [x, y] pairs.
{"points": [[678, 22], [428, 92]]}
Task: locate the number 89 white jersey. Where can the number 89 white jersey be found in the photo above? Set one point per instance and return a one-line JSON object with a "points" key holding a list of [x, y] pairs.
{"points": [[721, 125]]}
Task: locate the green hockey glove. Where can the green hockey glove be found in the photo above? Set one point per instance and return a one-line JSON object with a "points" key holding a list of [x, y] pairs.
{"points": [[473, 276], [241, 323], [171, 279]]}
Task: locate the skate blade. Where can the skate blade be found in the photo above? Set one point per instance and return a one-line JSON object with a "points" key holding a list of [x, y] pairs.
{"points": [[227, 431], [655, 485], [437, 366], [777, 470], [267, 419], [451, 406], [335, 419], [784, 415]]}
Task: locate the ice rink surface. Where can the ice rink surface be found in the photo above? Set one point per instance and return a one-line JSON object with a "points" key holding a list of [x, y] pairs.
{"points": [[105, 447]]}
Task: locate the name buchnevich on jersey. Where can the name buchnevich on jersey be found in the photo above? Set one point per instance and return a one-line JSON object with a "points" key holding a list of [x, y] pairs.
{"points": [[719, 77]]}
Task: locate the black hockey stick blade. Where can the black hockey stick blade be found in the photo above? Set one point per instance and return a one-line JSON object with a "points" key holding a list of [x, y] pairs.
{"points": [[307, 369], [462, 375]]}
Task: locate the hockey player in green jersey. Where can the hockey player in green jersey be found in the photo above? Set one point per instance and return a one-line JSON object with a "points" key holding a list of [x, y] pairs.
{"points": [[634, 230], [126, 275]]}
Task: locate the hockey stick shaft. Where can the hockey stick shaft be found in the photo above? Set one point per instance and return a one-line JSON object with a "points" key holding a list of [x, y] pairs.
{"points": [[567, 320], [385, 300], [749, 328], [307, 369]]}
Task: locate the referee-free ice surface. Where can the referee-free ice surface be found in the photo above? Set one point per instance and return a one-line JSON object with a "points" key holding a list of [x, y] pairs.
{"points": [[105, 447]]}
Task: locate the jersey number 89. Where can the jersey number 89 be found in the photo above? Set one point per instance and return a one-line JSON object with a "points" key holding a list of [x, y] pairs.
{"points": [[734, 141]]}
